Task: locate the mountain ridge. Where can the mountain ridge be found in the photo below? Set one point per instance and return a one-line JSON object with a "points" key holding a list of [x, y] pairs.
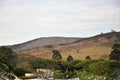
{"points": [[97, 47], [43, 41]]}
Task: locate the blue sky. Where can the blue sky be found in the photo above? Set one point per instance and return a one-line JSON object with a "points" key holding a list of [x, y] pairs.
{"points": [[23, 20]]}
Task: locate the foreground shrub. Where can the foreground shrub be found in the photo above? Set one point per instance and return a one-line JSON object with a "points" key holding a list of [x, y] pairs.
{"points": [[20, 71]]}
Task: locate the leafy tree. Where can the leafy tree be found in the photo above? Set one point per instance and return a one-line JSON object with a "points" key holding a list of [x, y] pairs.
{"points": [[7, 56], [88, 57], [115, 54], [69, 58], [56, 55]]}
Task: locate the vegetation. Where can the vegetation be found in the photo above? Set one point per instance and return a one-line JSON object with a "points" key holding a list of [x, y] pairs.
{"points": [[7, 56], [84, 69], [7, 61], [56, 55], [88, 69], [115, 54], [20, 71], [3, 68], [88, 57], [69, 58]]}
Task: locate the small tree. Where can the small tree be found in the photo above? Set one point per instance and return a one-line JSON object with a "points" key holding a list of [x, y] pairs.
{"points": [[88, 57], [56, 55], [69, 58]]}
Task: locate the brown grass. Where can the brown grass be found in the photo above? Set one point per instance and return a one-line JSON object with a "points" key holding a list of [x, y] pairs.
{"points": [[95, 47]]}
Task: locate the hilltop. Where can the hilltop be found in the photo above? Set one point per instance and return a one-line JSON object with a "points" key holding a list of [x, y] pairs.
{"points": [[97, 47], [44, 41]]}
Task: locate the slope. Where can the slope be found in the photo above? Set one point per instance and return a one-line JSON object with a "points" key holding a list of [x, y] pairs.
{"points": [[45, 41], [97, 47]]}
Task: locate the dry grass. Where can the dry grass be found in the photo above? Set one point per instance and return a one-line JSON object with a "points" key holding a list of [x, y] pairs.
{"points": [[77, 53], [95, 47]]}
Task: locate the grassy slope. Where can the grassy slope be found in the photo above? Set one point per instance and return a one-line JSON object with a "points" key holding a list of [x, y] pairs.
{"points": [[97, 47]]}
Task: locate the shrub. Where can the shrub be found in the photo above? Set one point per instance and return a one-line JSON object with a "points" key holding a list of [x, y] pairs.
{"points": [[20, 71], [88, 57], [69, 58], [115, 54], [56, 55]]}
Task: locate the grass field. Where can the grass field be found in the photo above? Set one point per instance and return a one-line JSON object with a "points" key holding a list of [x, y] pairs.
{"points": [[97, 47]]}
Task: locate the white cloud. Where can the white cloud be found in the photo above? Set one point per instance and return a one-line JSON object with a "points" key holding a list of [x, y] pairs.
{"points": [[29, 16]]}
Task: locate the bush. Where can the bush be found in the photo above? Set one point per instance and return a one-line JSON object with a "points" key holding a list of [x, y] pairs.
{"points": [[88, 57], [56, 55], [44, 63], [100, 68], [20, 71], [115, 54], [69, 58]]}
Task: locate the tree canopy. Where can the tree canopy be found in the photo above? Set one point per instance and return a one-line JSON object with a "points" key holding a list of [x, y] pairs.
{"points": [[69, 58], [7, 56], [115, 54], [88, 57], [56, 55]]}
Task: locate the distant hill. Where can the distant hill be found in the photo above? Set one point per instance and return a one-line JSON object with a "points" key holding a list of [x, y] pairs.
{"points": [[45, 41], [97, 47]]}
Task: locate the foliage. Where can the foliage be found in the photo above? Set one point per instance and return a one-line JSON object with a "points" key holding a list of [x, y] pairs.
{"points": [[115, 54], [7, 56], [88, 57], [100, 68], [69, 58], [20, 71], [56, 55], [84, 69], [3, 69], [44, 63]]}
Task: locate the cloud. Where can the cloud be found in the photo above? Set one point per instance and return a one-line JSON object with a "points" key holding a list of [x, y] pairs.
{"points": [[57, 16]]}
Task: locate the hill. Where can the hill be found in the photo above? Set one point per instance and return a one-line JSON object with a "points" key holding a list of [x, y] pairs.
{"points": [[45, 41], [97, 47]]}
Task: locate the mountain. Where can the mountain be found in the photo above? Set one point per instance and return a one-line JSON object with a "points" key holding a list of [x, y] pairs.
{"points": [[45, 41], [97, 47]]}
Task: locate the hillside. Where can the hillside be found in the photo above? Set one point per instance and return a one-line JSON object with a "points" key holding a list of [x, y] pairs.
{"points": [[45, 41], [97, 47]]}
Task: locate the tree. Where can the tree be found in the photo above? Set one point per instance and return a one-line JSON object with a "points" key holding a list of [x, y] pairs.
{"points": [[56, 55], [88, 57], [115, 54], [116, 46], [69, 58], [7, 56]]}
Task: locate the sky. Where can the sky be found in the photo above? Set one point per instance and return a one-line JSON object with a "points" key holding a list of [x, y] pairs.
{"points": [[24, 20]]}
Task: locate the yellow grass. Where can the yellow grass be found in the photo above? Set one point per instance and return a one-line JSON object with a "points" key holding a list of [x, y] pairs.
{"points": [[77, 53], [93, 52]]}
